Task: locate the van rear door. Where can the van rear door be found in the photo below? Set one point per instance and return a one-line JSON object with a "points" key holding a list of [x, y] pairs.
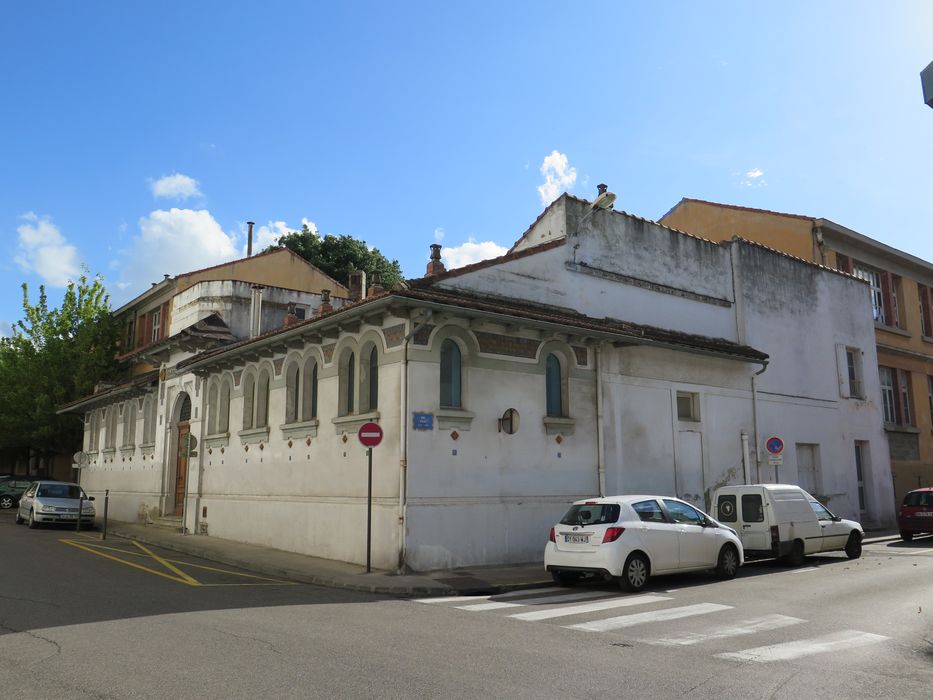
{"points": [[745, 511]]}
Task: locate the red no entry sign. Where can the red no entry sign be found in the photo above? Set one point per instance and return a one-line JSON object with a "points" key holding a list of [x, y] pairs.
{"points": [[370, 434]]}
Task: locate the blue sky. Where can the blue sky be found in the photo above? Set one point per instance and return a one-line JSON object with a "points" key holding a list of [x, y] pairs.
{"points": [[137, 139]]}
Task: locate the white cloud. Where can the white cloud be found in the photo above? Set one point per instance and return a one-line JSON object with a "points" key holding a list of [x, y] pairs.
{"points": [[558, 176], [6, 329], [754, 178], [171, 242], [270, 232], [175, 186], [471, 252], [438, 234], [44, 251]]}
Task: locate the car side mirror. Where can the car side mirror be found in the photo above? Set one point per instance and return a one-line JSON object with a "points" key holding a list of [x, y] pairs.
{"points": [[90, 498]]}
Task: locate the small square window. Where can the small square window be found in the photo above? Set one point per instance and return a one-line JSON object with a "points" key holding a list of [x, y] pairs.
{"points": [[688, 406]]}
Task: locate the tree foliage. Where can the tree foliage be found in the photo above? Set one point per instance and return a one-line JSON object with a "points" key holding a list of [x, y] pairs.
{"points": [[55, 356], [338, 256]]}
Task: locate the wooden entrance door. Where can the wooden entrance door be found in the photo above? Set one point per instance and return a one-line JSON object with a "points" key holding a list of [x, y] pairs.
{"points": [[181, 468]]}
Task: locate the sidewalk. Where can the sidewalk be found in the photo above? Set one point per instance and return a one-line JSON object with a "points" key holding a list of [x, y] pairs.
{"points": [[334, 574]]}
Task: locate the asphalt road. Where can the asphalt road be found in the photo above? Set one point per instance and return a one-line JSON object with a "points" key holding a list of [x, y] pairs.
{"points": [[81, 618]]}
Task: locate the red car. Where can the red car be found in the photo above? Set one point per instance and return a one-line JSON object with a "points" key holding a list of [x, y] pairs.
{"points": [[916, 514]]}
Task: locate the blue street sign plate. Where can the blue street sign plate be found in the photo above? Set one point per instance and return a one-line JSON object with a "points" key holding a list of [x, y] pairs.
{"points": [[422, 421]]}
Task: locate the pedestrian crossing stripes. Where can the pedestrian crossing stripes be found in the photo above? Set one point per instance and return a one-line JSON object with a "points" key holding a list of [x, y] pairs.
{"points": [[838, 641], [554, 603], [623, 621], [761, 624]]}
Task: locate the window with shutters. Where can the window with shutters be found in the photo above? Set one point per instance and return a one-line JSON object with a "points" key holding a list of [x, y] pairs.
{"points": [[883, 290], [926, 310], [886, 376], [905, 416], [854, 370], [156, 325], [896, 396]]}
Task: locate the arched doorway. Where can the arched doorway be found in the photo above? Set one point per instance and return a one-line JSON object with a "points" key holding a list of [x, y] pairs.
{"points": [[183, 408]]}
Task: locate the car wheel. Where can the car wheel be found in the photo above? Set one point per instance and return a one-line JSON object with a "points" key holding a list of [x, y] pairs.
{"points": [[907, 536], [854, 545], [565, 578], [6, 502], [31, 521], [635, 573], [796, 556], [728, 565]]}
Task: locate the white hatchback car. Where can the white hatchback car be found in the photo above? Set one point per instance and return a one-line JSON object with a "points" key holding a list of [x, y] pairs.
{"points": [[629, 538]]}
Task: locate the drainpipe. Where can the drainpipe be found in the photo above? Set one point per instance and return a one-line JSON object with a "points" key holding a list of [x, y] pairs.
{"points": [[600, 460], [764, 366], [746, 457], [203, 432], [403, 446]]}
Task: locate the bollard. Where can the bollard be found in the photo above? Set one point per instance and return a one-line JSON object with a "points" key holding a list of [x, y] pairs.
{"points": [[103, 534], [80, 508]]}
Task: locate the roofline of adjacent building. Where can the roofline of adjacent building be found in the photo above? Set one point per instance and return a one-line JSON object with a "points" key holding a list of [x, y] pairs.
{"points": [[128, 387]]}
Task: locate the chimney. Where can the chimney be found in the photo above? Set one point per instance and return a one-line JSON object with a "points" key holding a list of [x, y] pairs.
{"points": [[602, 188], [325, 307], [376, 287], [357, 285], [291, 318], [249, 239], [255, 311], [435, 267]]}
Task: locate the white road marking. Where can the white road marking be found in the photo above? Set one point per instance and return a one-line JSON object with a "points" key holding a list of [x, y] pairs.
{"points": [[544, 600], [615, 623], [761, 624], [847, 639], [477, 598], [589, 607], [804, 570]]}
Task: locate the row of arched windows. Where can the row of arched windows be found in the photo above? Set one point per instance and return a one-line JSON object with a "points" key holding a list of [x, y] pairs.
{"points": [[107, 420]]}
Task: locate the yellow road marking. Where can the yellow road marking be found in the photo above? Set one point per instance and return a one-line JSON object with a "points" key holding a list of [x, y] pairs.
{"points": [[123, 561], [95, 549], [171, 567]]}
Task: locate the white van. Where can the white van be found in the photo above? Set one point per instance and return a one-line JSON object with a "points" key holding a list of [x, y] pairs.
{"points": [[783, 520]]}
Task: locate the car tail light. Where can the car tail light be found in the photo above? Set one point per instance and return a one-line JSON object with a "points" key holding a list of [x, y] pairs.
{"points": [[612, 534], [774, 535], [552, 537]]}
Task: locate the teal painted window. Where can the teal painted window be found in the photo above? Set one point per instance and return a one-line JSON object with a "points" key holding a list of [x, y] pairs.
{"points": [[450, 374], [553, 385]]}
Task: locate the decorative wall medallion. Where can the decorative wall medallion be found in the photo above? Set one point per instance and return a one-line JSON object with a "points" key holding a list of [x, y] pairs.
{"points": [[289, 443], [210, 450], [221, 450], [246, 448], [454, 435], [308, 442], [559, 439], [344, 438], [261, 447]]}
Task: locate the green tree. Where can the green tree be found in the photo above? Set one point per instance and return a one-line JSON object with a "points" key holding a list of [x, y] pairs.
{"points": [[338, 256], [55, 355]]}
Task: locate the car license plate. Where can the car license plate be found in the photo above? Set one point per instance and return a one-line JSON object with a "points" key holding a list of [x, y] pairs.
{"points": [[576, 539], [69, 517], [927, 514]]}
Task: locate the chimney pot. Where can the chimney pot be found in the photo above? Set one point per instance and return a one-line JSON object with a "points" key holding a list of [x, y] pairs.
{"points": [[325, 307], [435, 267], [249, 239], [602, 188]]}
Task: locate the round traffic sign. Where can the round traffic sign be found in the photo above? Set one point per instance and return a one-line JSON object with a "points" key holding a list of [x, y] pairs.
{"points": [[775, 445], [370, 434]]}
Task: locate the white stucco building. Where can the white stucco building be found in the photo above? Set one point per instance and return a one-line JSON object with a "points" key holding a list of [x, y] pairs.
{"points": [[603, 354]]}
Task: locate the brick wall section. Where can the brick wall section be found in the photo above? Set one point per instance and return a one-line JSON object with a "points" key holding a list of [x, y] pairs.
{"points": [[507, 345]]}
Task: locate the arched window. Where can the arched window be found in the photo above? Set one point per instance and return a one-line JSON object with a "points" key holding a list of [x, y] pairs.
{"points": [[184, 415], [262, 400], [149, 419], [110, 428], [450, 374], [309, 390], [212, 408], [553, 385], [249, 398], [347, 383], [371, 388], [223, 415], [292, 392], [129, 423]]}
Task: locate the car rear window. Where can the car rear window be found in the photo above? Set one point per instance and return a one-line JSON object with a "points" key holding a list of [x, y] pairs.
{"points": [[59, 491], [725, 509], [919, 498], [752, 509], [591, 514]]}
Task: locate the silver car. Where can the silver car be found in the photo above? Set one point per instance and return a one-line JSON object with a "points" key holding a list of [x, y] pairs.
{"points": [[54, 502]]}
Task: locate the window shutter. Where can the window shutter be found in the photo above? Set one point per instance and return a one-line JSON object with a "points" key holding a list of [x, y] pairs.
{"points": [[844, 263], [147, 338], [842, 371], [163, 328], [898, 407], [926, 303], [887, 299], [140, 331]]}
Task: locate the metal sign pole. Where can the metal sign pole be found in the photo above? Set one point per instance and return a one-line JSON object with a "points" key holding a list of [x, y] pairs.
{"points": [[369, 511]]}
